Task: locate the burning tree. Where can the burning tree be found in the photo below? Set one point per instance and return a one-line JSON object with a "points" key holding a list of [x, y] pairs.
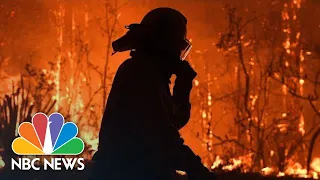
{"points": [[76, 87], [297, 70], [69, 84], [256, 122], [108, 24], [76, 90], [268, 76]]}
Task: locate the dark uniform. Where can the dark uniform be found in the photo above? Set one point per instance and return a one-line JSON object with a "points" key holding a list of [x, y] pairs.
{"points": [[139, 136]]}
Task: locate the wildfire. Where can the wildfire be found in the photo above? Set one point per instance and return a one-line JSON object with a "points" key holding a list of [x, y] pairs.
{"points": [[267, 171], [71, 91], [296, 169], [235, 163], [60, 22], [315, 165], [7, 80], [89, 135], [244, 163], [218, 161]]}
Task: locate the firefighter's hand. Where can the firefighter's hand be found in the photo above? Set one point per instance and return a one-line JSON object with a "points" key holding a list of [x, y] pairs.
{"points": [[185, 71]]}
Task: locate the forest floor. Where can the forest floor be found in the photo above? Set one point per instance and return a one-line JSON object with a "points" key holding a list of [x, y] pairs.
{"points": [[84, 175]]}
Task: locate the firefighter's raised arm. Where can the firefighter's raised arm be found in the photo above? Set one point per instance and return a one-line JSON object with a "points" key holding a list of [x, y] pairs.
{"points": [[181, 94]]}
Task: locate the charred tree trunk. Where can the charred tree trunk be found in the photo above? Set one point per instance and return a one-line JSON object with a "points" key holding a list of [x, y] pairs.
{"points": [[310, 150]]}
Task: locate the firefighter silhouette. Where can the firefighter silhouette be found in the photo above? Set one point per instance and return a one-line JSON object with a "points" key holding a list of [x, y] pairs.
{"points": [[139, 137]]}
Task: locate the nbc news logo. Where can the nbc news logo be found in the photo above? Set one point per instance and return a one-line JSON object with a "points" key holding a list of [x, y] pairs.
{"points": [[48, 136]]}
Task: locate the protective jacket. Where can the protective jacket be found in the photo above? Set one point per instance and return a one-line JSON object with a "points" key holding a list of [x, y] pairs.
{"points": [[139, 137]]}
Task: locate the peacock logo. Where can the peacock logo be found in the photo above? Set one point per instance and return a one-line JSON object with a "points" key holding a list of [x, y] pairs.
{"points": [[48, 136]]}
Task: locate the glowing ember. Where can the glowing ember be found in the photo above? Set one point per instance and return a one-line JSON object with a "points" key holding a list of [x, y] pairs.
{"points": [[301, 125], [267, 171], [281, 174], [196, 82], [182, 173], [2, 164]]}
